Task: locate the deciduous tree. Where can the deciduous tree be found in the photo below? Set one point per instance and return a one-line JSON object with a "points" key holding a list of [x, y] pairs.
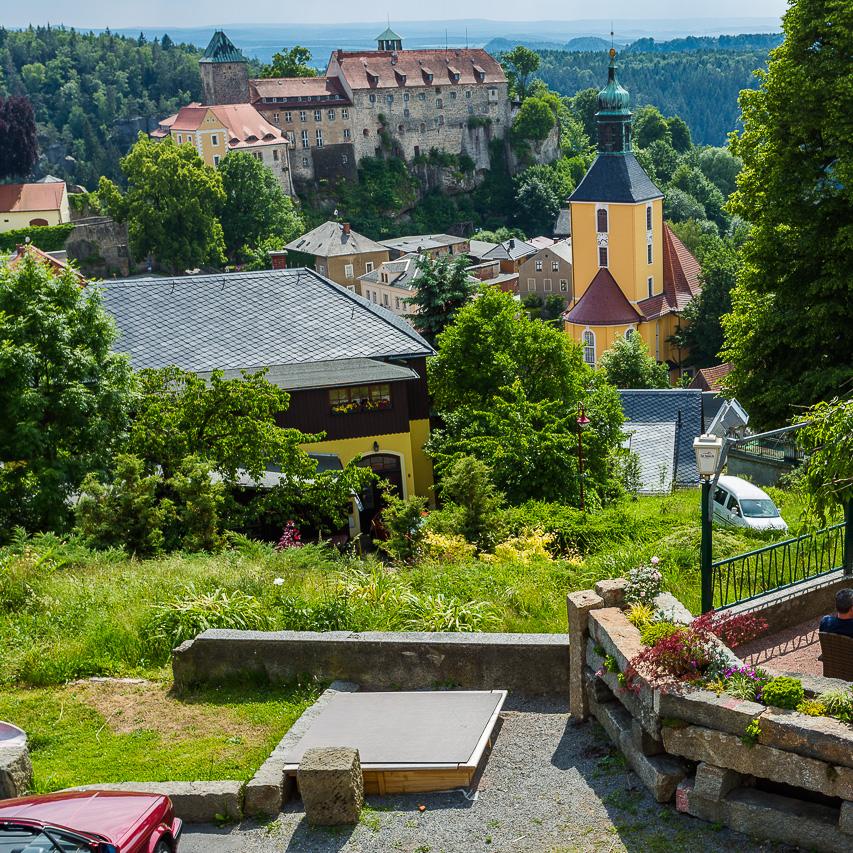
{"points": [[627, 364], [520, 63], [290, 63], [790, 333], [171, 205], [18, 143]]}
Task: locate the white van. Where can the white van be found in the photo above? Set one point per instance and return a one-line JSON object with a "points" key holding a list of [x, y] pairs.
{"points": [[739, 503]]}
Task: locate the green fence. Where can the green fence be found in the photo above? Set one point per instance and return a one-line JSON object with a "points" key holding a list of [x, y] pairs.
{"points": [[780, 565]]}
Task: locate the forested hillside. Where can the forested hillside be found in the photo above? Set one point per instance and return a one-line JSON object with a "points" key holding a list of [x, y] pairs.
{"points": [[91, 94], [701, 86]]}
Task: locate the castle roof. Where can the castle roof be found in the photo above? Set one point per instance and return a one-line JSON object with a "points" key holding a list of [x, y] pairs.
{"points": [[388, 35], [386, 69], [244, 126], [222, 49], [269, 90], [616, 178]]}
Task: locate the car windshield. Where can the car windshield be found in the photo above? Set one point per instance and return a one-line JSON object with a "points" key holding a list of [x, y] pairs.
{"points": [[27, 839], [759, 508]]}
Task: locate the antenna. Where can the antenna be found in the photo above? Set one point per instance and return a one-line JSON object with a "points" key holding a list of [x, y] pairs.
{"points": [[466, 38], [611, 34], [445, 41]]}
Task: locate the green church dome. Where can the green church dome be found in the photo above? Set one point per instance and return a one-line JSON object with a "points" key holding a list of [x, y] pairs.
{"points": [[613, 98]]}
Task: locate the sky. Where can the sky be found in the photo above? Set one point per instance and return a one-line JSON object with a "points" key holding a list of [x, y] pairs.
{"points": [[193, 13]]}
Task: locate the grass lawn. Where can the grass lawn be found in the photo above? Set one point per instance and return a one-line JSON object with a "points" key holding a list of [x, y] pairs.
{"points": [[95, 732]]}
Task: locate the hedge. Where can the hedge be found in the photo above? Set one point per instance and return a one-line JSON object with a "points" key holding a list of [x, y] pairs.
{"points": [[48, 238]]}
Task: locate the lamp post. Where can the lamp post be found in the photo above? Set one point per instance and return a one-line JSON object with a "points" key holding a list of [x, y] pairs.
{"points": [[708, 450], [583, 423]]}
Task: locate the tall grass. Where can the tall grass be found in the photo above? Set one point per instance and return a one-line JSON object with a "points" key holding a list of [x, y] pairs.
{"points": [[67, 613]]}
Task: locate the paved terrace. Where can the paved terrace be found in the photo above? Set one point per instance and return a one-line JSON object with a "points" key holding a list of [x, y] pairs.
{"points": [[794, 649]]}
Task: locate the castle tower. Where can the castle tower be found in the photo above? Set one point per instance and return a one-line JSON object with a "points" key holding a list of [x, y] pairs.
{"points": [[224, 72], [389, 40]]}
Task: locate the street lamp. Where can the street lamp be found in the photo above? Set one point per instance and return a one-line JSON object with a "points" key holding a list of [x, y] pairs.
{"points": [[583, 423], [708, 450]]}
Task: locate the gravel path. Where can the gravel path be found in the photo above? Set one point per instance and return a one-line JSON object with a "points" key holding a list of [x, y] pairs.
{"points": [[548, 786]]}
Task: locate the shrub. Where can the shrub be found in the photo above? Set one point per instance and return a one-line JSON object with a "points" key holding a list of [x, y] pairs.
{"points": [[185, 617], [783, 692], [439, 612], [644, 583], [403, 519], [652, 634], [468, 484], [838, 703], [199, 500], [751, 733], [640, 615], [812, 708], [330, 614], [526, 548], [447, 547], [48, 238]]}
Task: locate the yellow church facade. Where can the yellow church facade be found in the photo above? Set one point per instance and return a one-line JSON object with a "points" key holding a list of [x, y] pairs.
{"points": [[631, 274]]}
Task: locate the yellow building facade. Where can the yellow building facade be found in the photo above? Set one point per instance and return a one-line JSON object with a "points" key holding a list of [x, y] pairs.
{"points": [[630, 273]]}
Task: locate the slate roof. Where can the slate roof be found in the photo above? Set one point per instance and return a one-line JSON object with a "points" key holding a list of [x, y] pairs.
{"points": [[679, 406], [402, 272], [480, 248], [330, 374], [511, 249], [603, 304], [616, 178], [541, 242], [563, 225], [329, 240], [654, 444], [416, 242], [251, 319], [385, 69], [221, 49]]}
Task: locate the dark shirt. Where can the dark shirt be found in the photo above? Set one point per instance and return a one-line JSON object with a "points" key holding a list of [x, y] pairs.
{"points": [[834, 625]]}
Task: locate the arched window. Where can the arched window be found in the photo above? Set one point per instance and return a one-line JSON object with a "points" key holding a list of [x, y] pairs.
{"points": [[629, 333], [601, 216], [589, 347]]}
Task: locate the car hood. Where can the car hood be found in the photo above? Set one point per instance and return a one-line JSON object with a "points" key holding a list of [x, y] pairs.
{"points": [[777, 523], [110, 815]]}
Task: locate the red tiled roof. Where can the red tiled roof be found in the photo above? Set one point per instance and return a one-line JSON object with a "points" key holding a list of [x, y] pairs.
{"points": [[43, 257], [296, 87], [711, 378], [680, 279], [245, 126], [603, 304], [29, 198], [383, 69]]}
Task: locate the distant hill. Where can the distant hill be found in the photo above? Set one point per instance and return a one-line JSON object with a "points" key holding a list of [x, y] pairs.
{"points": [[588, 43], [746, 41]]}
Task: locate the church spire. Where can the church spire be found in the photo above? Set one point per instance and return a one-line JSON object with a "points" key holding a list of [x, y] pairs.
{"points": [[614, 115]]}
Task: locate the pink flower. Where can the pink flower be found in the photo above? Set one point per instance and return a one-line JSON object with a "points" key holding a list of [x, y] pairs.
{"points": [[655, 560]]}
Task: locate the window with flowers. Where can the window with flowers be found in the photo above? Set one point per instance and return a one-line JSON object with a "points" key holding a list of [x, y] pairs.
{"points": [[360, 398]]}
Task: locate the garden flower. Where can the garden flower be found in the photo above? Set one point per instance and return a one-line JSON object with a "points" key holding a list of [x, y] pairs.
{"points": [[655, 560], [278, 581]]}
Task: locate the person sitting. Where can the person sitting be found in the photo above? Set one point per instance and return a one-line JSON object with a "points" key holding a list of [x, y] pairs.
{"points": [[842, 621]]}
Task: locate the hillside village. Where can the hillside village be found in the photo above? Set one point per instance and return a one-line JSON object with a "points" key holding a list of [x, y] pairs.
{"points": [[374, 431]]}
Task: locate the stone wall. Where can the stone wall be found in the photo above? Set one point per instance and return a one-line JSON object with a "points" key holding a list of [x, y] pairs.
{"points": [[225, 82], [525, 663], [795, 784], [100, 247]]}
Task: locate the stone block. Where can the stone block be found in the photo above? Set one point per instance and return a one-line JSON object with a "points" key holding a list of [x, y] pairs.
{"points": [[331, 784], [643, 741], [615, 634], [16, 771], [725, 750], [579, 604], [845, 821], [612, 591], [823, 738], [600, 690], [194, 802], [705, 708], [672, 609], [714, 782], [688, 801], [269, 789]]}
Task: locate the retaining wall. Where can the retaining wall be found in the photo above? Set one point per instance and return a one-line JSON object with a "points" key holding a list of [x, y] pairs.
{"points": [[525, 663], [795, 784]]}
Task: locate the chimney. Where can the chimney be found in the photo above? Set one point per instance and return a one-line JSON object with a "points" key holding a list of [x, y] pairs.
{"points": [[511, 243], [345, 227], [279, 259]]}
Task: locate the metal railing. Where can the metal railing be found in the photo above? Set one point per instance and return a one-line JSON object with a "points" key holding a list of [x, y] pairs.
{"points": [[777, 449], [782, 564]]}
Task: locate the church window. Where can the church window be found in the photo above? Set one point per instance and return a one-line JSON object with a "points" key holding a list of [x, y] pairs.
{"points": [[629, 333], [648, 217], [601, 218], [602, 256], [651, 286], [589, 347], [649, 253]]}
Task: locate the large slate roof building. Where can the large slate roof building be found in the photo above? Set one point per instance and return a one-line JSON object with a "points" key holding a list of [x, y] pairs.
{"points": [[354, 370]]}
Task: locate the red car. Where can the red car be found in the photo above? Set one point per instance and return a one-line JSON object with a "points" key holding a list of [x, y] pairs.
{"points": [[89, 822]]}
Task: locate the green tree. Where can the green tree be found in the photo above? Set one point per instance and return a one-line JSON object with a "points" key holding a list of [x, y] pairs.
{"points": [[679, 133], [691, 180], [255, 208], [721, 168], [703, 333], [585, 106], [627, 364], [796, 190], [534, 120], [649, 126], [468, 485], [18, 142], [665, 159], [520, 63], [170, 205], [537, 199], [443, 287], [290, 63], [64, 394], [491, 344], [679, 206]]}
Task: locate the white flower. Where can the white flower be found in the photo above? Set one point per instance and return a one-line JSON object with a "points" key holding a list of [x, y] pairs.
{"points": [[655, 560], [278, 581]]}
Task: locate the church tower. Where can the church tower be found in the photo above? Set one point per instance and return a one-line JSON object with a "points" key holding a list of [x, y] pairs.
{"points": [[389, 40], [224, 72]]}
